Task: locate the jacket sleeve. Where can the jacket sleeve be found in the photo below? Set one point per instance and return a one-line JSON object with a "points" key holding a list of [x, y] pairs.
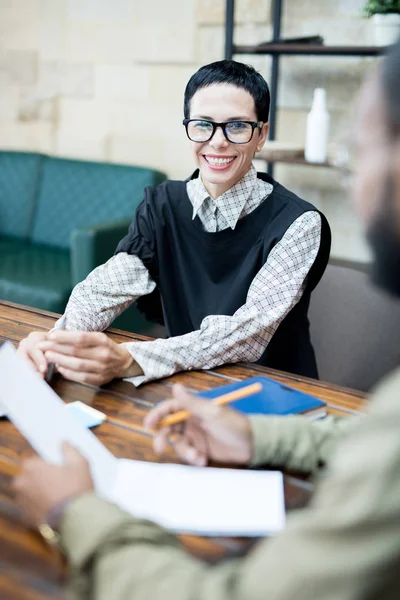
{"points": [[344, 545], [296, 443]]}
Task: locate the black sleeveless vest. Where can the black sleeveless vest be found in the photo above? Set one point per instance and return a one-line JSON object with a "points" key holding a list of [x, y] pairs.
{"points": [[199, 273]]}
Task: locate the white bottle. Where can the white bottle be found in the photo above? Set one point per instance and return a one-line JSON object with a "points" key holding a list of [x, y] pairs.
{"points": [[317, 133]]}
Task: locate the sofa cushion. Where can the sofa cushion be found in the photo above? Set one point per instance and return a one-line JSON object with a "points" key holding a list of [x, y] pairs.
{"points": [[76, 194], [19, 178], [34, 275]]}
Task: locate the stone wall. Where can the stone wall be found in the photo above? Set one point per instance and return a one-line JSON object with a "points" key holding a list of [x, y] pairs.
{"points": [[104, 80]]}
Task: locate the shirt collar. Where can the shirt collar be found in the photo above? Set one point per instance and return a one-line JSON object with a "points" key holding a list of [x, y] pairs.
{"points": [[231, 203]]}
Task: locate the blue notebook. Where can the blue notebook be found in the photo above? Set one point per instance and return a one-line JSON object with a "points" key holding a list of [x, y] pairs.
{"points": [[274, 399]]}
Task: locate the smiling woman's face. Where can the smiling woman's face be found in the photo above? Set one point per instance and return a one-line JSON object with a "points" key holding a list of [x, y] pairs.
{"points": [[222, 163]]}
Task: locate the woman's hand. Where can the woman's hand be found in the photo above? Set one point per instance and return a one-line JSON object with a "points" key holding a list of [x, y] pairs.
{"points": [[88, 357], [29, 349]]}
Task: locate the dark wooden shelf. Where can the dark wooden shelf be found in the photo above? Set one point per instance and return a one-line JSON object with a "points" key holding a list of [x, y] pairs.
{"points": [[310, 49], [277, 47]]}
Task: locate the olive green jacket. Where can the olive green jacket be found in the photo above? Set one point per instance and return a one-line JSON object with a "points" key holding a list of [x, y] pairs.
{"points": [[344, 546]]}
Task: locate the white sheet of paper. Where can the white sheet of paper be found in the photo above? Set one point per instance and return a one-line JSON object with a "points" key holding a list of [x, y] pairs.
{"points": [[183, 499], [40, 415], [202, 501]]}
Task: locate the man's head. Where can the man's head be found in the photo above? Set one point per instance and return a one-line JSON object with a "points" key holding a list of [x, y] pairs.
{"points": [[226, 92], [376, 188]]}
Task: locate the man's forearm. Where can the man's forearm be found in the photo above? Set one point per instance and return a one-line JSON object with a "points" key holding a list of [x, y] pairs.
{"points": [[294, 443], [345, 545]]}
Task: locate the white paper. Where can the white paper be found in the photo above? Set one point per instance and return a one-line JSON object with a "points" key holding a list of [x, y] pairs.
{"points": [[40, 415], [183, 499], [202, 501]]}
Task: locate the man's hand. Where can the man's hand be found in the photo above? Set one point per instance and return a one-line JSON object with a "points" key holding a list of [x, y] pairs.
{"points": [[29, 349], [88, 357], [212, 432], [41, 487]]}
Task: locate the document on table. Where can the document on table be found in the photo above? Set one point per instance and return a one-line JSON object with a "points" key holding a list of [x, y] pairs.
{"points": [[202, 501]]}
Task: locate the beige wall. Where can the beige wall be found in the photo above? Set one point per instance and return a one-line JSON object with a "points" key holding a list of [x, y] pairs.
{"points": [[104, 80]]}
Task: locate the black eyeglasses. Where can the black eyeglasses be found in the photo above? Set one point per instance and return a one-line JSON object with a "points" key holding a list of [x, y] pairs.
{"points": [[237, 132]]}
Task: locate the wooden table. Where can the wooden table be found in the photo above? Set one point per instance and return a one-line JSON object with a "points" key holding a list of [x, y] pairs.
{"points": [[29, 570]]}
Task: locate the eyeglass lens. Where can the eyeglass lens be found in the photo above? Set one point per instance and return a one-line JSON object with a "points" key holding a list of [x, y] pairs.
{"points": [[236, 131]]}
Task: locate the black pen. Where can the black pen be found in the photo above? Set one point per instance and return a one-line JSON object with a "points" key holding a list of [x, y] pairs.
{"points": [[51, 366]]}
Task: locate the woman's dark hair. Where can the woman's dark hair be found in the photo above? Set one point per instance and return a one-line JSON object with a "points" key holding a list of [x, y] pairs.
{"points": [[234, 73]]}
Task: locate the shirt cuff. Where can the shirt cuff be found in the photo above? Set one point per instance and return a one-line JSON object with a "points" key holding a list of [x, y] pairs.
{"points": [[137, 381], [55, 515], [148, 358], [56, 325]]}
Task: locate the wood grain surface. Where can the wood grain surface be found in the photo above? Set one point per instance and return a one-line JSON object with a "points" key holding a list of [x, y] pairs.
{"points": [[29, 569]]}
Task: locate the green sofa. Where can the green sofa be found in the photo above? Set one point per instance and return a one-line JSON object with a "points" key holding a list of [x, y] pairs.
{"points": [[59, 219]]}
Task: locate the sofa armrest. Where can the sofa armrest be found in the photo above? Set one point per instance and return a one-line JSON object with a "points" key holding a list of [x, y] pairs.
{"points": [[94, 245]]}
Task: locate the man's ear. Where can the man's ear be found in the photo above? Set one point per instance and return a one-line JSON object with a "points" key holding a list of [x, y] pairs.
{"points": [[262, 136]]}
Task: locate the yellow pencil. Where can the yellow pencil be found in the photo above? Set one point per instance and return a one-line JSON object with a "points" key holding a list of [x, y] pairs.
{"points": [[182, 415]]}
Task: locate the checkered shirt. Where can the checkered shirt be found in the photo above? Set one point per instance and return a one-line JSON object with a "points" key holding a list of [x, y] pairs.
{"points": [[277, 287]]}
